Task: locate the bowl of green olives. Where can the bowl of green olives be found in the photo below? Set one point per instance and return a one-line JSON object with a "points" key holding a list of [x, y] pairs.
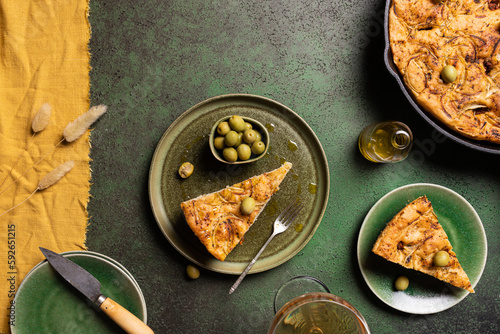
{"points": [[238, 140]]}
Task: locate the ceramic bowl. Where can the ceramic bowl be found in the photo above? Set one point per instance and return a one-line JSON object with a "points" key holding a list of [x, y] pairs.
{"points": [[46, 303], [256, 125]]}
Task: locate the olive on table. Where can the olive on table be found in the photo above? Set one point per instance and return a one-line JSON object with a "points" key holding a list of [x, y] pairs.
{"points": [[258, 147], [237, 123], [186, 169], [449, 73], [230, 154], [192, 271], [231, 138], [244, 152], [219, 143], [401, 283], [247, 206], [441, 259]]}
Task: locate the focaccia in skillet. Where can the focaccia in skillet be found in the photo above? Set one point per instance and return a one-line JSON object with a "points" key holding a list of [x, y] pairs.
{"points": [[427, 35]]}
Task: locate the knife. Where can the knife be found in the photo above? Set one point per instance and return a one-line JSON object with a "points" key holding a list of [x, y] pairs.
{"points": [[87, 284]]}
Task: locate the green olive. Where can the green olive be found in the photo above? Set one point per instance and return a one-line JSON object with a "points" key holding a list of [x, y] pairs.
{"points": [[244, 152], [449, 73], [258, 136], [401, 283], [248, 126], [219, 143], [258, 147], [223, 128], [247, 206], [237, 123], [249, 136], [192, 271], [240, 139], [230, 154], [186, 169], [231, 138], [441, 259]]}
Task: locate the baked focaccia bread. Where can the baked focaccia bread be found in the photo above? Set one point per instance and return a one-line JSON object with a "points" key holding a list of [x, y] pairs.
{"points": [[427, 35], [216, 218], [413, 237]]}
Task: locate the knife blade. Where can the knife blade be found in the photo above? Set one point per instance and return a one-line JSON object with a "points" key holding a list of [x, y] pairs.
{"points": [[89, 286]]}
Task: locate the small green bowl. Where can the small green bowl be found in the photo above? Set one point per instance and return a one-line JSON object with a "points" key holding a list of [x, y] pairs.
{"points": [[256, 125]]}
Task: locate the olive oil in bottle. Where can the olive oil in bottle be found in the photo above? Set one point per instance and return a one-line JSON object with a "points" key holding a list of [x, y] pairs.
{"points": [[385, 142]]}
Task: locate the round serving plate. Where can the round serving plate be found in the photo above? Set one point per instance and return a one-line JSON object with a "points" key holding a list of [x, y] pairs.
{"points": [[46, 303], [482, 146], [425, 293], [292, 140]]}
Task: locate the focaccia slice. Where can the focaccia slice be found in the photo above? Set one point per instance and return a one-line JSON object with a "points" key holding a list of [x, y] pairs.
{"points": [[413, 237], [216, 218]]}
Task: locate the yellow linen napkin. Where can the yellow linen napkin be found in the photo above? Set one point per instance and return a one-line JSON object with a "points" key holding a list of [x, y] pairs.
{"points": [[44, 58]]}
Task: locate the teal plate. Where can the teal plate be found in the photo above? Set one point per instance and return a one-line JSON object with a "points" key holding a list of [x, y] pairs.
{"points": [[425, 294], [291, 140], [46, 303]]}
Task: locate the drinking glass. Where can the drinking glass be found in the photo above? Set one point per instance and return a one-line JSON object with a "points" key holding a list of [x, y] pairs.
{"points": [[314, 312]]}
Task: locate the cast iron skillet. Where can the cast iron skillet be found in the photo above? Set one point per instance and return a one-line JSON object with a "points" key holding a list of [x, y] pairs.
{"points": [[471, 143]]}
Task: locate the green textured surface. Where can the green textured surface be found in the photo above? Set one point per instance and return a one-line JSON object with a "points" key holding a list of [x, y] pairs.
{"points": [[323, 59]]}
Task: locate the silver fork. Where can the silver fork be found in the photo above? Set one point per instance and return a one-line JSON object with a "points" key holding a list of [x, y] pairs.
{"points": [[281, 224]]}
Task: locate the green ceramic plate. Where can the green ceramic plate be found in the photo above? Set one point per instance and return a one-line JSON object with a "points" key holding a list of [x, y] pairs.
{"points": [[46, 303], [291, 140], [425, 294]]}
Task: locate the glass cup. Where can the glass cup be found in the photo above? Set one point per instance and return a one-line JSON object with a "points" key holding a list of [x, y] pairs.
{"points": [[297, 286], [314, 312], [385, 142]]}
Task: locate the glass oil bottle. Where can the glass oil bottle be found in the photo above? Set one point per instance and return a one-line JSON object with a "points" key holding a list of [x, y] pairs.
{"points": [[385, 142]]}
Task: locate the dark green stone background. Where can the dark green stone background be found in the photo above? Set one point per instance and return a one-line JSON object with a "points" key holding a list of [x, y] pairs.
{"points": [[153, 60]]}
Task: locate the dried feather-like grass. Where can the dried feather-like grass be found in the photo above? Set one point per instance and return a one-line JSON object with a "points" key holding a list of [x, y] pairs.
{"points": [[39, 122], [55, 175], [77, 128], [42, 118], [48, 180]]}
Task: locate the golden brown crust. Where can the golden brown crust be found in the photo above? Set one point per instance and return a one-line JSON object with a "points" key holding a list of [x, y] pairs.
{"points": [[216, 218], [426, 35], [413, 237]]}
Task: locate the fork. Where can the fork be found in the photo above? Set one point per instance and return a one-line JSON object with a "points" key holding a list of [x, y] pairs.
{"points": [[281, 224]]}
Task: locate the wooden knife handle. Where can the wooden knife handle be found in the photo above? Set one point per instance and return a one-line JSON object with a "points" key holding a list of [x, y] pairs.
{"points": [[123, 318]]}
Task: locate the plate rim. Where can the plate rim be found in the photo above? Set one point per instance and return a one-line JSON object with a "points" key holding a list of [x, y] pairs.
{"points": [[85, 253], [157, 159], [380, 202]]}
